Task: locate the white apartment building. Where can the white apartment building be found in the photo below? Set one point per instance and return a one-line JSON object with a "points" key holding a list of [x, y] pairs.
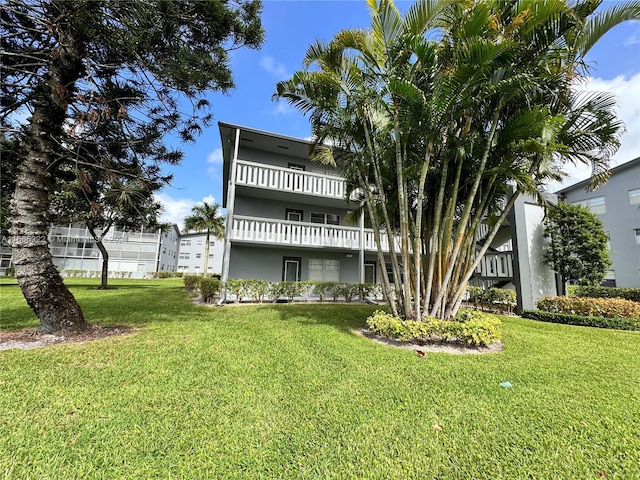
{"points": [[191, 253], [132, 254], [285, 221]]}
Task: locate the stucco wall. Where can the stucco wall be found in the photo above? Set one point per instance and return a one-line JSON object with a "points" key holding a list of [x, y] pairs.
{"points": [[266, 263]]}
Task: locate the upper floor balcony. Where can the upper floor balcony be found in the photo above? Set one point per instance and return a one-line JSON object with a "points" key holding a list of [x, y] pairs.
{"points": [[301, 234], [277, 181]]}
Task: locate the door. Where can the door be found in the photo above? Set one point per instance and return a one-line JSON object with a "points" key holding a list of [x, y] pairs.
{"points": [[291, 269], [369, 272]]}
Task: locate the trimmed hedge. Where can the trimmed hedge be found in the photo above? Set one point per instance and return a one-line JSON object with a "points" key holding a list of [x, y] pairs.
{"points": [[493, 298], [590, 307], [210, 288], [191, 282], [632, 294], [475, 329], [585, 321]]}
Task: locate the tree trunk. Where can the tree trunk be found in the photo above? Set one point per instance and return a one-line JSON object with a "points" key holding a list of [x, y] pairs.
{"points": [[206, 256], [104, 275], [41, 284]]}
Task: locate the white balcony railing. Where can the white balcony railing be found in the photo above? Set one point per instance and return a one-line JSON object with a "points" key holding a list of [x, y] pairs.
{"points": [[314, 235], [283, 232], [496, 265], [288, 180]]}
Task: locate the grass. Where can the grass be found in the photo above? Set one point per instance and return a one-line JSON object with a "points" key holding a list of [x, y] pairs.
{"points": [[288, 391]]}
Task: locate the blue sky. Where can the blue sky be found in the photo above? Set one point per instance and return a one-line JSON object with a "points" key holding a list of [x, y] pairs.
{"points": [[291, 26]]}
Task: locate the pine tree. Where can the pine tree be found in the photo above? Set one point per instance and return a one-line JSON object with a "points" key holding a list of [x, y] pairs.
{"points": [[96, 80]]}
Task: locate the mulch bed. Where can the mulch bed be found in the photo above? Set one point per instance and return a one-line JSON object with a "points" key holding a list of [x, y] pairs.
{"points": [[29, 338]]}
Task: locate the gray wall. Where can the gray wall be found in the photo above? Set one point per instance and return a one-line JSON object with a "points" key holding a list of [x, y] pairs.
{"points": [[266, 263], [276, 209], [282, 160], [620, 220]]}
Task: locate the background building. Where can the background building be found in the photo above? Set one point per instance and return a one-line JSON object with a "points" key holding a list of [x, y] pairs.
{"points": [[192, 251], [617, 204], [132, 254]]}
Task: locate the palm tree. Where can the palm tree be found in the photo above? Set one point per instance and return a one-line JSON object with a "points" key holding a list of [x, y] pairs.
{"points": [[458, 100], [206, 216]]}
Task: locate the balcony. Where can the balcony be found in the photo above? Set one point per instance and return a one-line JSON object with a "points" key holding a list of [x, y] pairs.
{"points": [[301, 234], [496, 266], [279, 179]]}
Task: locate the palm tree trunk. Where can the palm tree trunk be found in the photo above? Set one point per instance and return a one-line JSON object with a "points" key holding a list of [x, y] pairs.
{"points": [[206, 255], [468, 204]]}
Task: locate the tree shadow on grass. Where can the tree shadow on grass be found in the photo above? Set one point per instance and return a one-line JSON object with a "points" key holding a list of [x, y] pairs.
{"points": [[342, 316]]}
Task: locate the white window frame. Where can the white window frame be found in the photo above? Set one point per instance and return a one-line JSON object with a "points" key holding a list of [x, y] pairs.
{"points": [[324, 270], [325, 218], [597, 205], [634, 196]]}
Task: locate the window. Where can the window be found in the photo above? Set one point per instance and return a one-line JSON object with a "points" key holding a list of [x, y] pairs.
{"points": [[185, 243], [324, 270], [293, 215], [212, 243], [211, 255], [328, 218], [296, 166], [185, 256], [200, 243], [634, 196], [291, 269], [597, 205], [637, 231], [198, 255]]}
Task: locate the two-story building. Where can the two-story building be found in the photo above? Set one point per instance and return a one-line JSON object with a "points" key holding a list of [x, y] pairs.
{"points": [[617, 204]]}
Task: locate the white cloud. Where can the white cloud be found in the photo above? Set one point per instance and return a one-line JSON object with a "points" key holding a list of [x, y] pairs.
{"points": [[275, 68], [632, 40], [281, 108], [215, 160], [627, 90], [176, 209]]}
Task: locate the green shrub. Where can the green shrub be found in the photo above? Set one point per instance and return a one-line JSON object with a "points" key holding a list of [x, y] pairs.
{"points": [[236, 287], [385, 324], [569, 319], [493, 298], [590, 307], [477, 329], [191, 282], [322, 289], [177, 274], [161, 274], [632, 294], [347, 290], [10, 271], [209, 288], [366, 290], [257, 289], [292, 289]]}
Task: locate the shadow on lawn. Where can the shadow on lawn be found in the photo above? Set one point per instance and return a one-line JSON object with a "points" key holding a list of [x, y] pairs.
{"points": [[345, 317]]}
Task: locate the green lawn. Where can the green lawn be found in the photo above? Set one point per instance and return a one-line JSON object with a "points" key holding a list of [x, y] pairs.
{"points": [[288, 391]]}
